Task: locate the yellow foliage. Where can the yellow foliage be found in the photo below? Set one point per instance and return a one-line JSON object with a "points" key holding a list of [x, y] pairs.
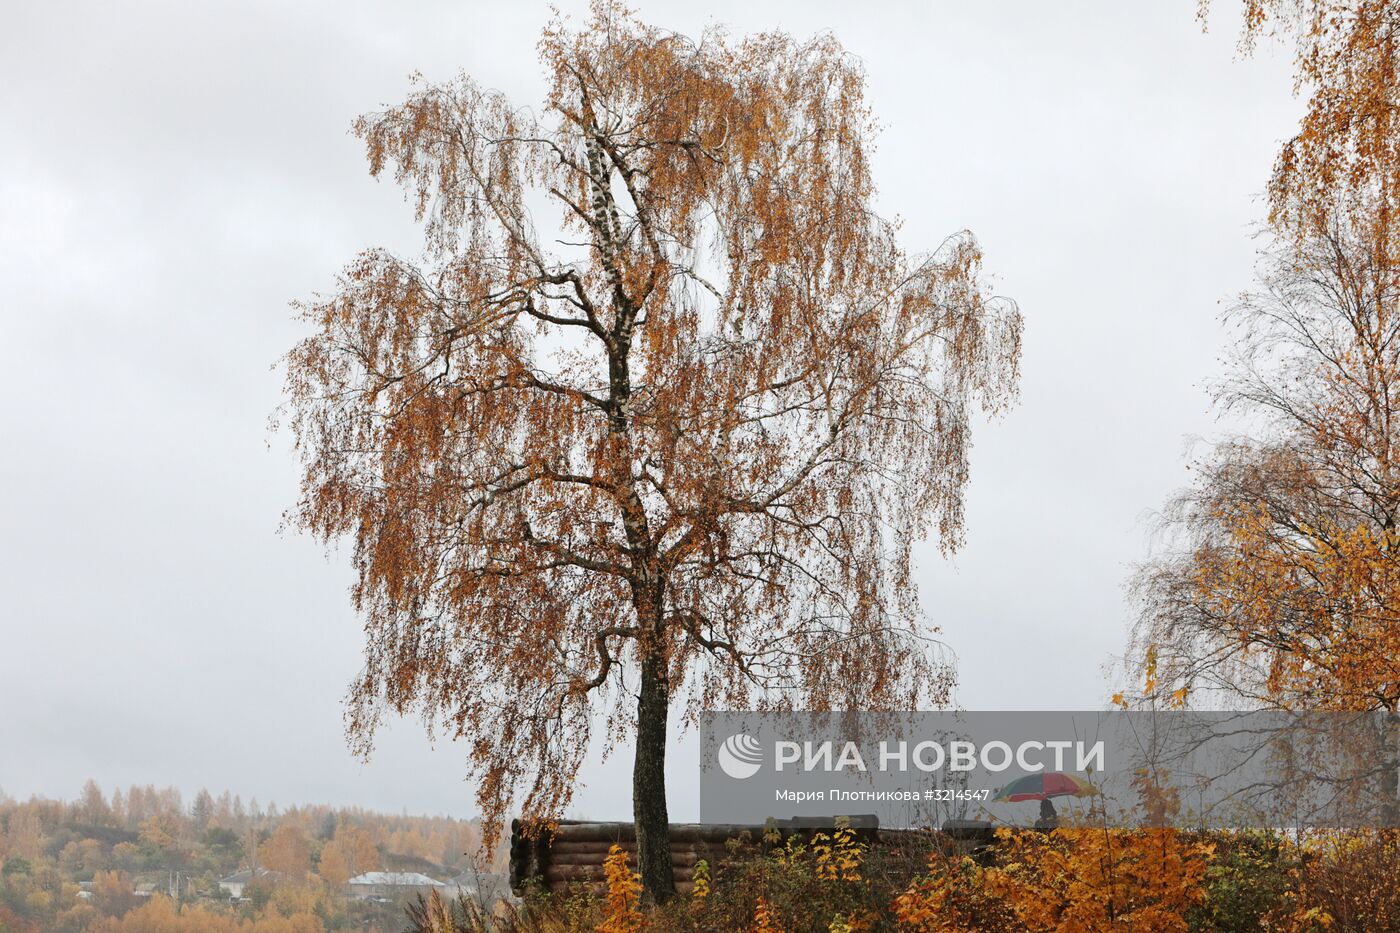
{"points": [[765, 919], [951, 898], [1092, 879], [160, 915], [1067, 881], [1344, 155], [701, 879], [333, 867], [1346, 881], [666, 140], [287, 852], [839, 855], [621, 914], [289, 900], [160, 831]]}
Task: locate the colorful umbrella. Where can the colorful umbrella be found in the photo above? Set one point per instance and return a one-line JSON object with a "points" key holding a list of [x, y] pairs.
{"points": [[1045, 785]]}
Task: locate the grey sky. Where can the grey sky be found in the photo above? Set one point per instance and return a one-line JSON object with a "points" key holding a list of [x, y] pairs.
{"points": [[172, 174]]}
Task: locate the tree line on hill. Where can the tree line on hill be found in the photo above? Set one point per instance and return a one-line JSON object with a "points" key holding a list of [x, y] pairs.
{"points": [[124, 861]]}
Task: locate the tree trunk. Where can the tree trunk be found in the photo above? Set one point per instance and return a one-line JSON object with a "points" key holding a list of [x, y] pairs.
{"points": [[649, 785], [1390, 772]]}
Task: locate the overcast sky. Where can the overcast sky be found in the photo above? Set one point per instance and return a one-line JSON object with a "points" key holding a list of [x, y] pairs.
{"points": [[172, 174]]}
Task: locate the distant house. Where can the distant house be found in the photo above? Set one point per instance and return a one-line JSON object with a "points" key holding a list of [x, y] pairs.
{"points": [[394, 884], [146, 889], [236, 882]]}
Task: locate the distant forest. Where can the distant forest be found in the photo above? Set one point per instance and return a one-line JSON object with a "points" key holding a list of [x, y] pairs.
{"points": [[144, 859]]}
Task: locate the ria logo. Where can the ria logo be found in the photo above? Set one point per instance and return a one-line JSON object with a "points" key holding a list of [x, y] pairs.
{"points": [[740, 756]]}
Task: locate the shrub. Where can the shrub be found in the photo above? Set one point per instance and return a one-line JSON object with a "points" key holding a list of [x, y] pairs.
{"points": [[1247, 881], [952, 898], [622, 913], [1346, 881], [1066, 881]]}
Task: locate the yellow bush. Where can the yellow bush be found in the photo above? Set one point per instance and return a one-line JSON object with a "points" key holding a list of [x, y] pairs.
{"points": [[701, 879], [839, 855], [1094, 879], [951, 898], [1067, 881], [622, 913]]}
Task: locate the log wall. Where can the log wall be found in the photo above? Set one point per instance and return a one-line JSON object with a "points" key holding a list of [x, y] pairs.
{"points": [[572, 854]]}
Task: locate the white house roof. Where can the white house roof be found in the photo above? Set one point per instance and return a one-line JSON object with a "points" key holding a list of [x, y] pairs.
{"points": [[242, 877], [408, 879]]}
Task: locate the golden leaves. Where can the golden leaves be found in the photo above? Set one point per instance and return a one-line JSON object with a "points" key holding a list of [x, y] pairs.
{"points": [[837, 856], [622, 910], [1345, 157], [1064, 881], [1287, 590], [707, 430]]}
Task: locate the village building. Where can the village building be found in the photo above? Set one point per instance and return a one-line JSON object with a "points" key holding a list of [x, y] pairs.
{"points": [[393, 885], [234, 884]]}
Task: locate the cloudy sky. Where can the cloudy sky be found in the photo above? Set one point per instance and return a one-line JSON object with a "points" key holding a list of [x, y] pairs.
{"points": [[172, 174]]}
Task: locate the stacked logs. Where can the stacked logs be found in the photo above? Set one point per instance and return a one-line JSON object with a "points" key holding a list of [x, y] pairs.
{"points": [[572, 854]]}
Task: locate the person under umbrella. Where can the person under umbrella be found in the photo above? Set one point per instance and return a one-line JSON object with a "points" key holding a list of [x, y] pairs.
{"points": [[1043, 787]]}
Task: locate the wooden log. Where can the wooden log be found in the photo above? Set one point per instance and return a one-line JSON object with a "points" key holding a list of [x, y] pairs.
{"points": [[626, 832], [603, 845], [594, 832], [678, 857], [564, 874], [583, 845], [577, 843], [574, 855], [600, 889], [573, 873]]}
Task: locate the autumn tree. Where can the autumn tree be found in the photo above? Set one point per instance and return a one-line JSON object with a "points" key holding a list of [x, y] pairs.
{"points": [[92, 808], [251, 842], [24, 833], [1345, 157], [202, 811], [333, 867], [350, 853], [286, 852], [160, 832], [118, 807], [675, 442], [112, 893], [1283, 585]]}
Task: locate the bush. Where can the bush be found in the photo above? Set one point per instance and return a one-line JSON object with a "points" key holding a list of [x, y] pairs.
{"points": [[1066, 881], [953, 898], [1247, 881], [1347, 881]]}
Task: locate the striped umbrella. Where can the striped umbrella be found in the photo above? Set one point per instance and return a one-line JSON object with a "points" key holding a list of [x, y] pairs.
{"points": [[1045, 785]]}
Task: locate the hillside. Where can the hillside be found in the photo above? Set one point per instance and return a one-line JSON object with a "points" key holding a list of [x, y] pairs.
{"points": [[145, 859]]}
